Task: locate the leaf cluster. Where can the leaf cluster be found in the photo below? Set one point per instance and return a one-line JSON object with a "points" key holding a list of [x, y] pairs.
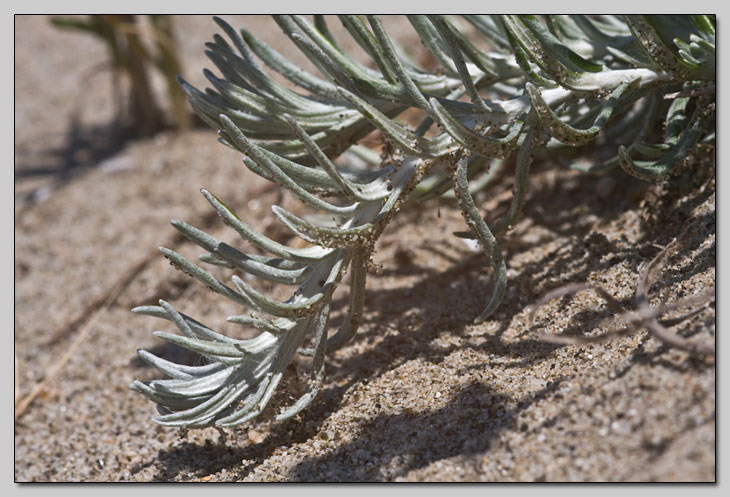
{"points": [[554, 85]]}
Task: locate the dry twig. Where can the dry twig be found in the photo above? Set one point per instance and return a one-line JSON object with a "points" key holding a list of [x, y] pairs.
{"points": [[22, 404], [103, 299], [645, 316], [697, 92]]}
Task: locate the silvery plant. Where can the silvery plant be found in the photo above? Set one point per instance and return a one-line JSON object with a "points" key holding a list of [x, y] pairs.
{"points": [[549, 86]]}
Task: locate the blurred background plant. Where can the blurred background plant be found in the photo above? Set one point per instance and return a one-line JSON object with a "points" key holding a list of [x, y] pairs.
{"points": [[125, 36]]}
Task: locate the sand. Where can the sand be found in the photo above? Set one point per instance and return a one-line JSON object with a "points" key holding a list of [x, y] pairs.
{"points": [[421, 394]]}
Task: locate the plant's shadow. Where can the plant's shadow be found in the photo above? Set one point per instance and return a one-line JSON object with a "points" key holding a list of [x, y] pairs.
{"points": [[84, 148], [470, 423], [401, 324]]}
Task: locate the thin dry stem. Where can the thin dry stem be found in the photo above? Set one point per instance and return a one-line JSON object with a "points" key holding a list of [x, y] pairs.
{"points": [[645, 315], [22, 405], [698, 92]]}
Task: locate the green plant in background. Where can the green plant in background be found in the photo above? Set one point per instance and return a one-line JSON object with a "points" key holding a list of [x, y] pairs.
{"points": [[553, 86], [123, 37]]}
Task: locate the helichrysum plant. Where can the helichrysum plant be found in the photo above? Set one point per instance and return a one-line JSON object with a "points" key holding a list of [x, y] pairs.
{"points": [[547, 86]]}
